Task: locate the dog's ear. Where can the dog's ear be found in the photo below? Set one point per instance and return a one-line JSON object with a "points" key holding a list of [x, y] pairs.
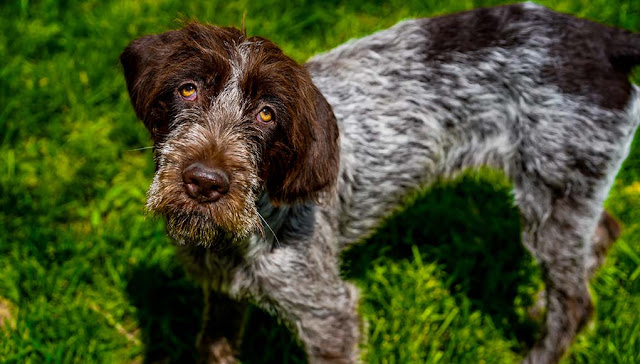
{"points": [[138, 60], [314, 153]]}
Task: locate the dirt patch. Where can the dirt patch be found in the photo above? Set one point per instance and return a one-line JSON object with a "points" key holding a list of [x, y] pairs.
{"points": [[7, 313]]}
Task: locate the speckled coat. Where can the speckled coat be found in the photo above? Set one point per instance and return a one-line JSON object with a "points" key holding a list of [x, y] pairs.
{"points": [[543, 96]]}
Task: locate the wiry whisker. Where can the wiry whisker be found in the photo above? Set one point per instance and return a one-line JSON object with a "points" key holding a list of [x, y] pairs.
{"points": [[137, 149], [270, 229]]}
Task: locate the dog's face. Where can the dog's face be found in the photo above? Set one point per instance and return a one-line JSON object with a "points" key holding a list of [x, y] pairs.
{"points": [[230, 117]]}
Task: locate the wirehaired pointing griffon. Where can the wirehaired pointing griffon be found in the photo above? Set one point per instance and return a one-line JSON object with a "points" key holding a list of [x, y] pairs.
{"points": [[266, 169]]}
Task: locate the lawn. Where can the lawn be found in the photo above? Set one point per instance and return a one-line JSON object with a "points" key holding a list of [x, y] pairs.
{"points": [[86, 277]]}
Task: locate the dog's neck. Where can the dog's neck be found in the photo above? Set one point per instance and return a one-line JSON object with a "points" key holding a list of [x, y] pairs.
{"points": [[284, 224]]}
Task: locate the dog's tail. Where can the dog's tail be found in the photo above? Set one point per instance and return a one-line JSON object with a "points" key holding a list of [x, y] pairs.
{"points": [[624, 50]]}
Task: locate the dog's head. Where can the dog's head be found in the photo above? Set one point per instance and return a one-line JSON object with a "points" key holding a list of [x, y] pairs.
{"points": [[230, 116]]}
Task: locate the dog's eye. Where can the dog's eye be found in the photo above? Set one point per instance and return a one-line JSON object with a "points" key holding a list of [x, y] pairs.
{"points": [[265, 115], [188, 91]]}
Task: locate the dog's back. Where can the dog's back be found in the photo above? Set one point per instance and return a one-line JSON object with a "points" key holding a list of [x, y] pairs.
{"points": [[519, 87]]}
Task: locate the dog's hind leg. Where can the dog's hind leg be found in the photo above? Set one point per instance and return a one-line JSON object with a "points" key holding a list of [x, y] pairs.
{"points": [[557, 229], [606, 233]]}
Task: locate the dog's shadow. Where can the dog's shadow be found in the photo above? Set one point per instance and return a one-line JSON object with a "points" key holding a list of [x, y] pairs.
{"points": [[469, 227], [169, 308]]}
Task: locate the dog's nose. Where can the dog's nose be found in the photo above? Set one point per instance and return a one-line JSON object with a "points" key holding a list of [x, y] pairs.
{"points": [[205, 184]]}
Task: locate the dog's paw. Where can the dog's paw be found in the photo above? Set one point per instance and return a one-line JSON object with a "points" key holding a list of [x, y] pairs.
{"points": [[217, 351], [538, 309]]}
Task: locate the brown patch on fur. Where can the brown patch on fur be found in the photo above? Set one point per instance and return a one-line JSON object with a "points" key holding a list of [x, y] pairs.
{"points": [[473, 30], [594, 60], [589, 67]]}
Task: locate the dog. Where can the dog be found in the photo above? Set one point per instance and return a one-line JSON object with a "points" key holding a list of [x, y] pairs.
{"points": [[266, 169]]}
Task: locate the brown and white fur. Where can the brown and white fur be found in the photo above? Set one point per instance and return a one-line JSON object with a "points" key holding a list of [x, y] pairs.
{"points": [[273, 168]]}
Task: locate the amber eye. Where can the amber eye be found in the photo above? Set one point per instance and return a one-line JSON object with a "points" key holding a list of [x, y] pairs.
{"points": [[265, 115], [188, 91]]}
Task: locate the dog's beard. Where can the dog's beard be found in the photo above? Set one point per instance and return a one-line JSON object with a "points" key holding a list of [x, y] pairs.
{"points": [[202, 230], [220, 224]]}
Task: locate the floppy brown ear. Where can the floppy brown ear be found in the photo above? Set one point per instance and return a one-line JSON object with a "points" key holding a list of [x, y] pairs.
{"points": [[314, 160], [138, 60]]}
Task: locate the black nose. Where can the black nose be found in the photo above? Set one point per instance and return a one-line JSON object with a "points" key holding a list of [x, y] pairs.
{"points": [[205, 184]]}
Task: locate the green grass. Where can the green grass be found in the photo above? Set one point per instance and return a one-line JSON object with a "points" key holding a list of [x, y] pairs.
{"points": [[85, 277]]}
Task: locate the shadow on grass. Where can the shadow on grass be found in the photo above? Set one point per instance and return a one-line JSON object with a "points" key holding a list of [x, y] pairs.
{"points": [[469, 227], [268, 341], [472, 230], [169, 310], [169, 315]]}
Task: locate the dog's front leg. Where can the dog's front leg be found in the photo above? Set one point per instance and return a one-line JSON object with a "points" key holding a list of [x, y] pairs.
{"points": [[222, 327], [306, 290]]}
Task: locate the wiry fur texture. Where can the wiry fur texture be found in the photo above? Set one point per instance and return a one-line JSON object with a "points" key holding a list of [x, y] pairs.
{"points": [[541, 95]]}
